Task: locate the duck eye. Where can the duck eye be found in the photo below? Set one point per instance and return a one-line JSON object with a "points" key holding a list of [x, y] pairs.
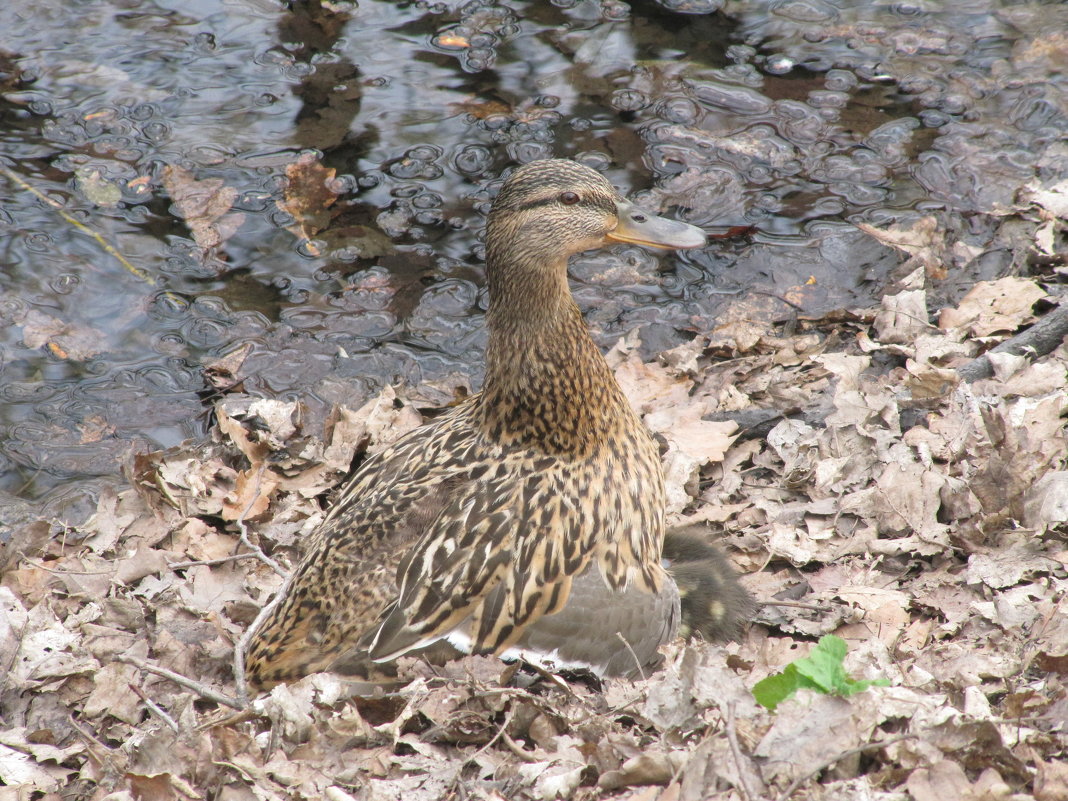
{"points": [[569, 198]]}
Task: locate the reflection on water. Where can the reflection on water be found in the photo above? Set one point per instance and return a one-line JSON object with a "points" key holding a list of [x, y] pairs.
{"points": [[796, 118]]}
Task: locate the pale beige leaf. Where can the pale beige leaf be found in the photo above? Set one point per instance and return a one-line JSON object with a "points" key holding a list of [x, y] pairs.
{"points": [[903, 317], [943, 780], [992, 307], [112, 695]]}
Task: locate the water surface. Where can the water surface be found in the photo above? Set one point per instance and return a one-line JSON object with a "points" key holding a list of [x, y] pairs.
{"points": [[797, 119]]}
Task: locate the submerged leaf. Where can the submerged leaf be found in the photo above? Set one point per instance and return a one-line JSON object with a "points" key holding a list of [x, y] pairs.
{"points": [[311, 191], [204, 205]]}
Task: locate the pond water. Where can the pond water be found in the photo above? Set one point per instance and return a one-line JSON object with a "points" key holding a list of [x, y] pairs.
{"points": [[794, 118]]}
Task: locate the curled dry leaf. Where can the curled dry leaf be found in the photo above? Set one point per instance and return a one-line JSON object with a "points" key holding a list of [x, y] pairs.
{"points": [[1052, 198], [648, 768], [921, 239], [225, 372]]}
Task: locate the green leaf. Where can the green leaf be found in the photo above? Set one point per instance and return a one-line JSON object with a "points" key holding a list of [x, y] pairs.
{"points": [[824, 665], [773, 690], [821, 671]]}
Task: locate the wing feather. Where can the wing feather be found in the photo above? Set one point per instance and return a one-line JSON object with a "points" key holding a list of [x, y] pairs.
{"points": [[467, 542], [507, 564]]}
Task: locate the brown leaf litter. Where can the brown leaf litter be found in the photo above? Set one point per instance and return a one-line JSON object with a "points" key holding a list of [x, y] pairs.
{"points": [[920, 517]]}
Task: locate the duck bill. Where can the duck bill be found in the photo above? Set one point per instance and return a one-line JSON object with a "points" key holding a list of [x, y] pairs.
{"points": [[642, 228]]}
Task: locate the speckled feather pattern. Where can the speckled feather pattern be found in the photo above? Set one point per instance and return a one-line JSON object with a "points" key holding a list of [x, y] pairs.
{"points": [[510, 496]]}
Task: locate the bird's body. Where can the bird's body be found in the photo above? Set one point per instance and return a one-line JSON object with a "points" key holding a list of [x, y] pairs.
{"points": [[527, 521]]}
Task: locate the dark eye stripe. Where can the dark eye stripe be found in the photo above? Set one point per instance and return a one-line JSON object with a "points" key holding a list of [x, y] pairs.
{"points": [[596, 202], [533, 204]]}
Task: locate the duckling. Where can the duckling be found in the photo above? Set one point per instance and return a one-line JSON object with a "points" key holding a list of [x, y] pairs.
{"points": [[714, 605], [527, 521]]}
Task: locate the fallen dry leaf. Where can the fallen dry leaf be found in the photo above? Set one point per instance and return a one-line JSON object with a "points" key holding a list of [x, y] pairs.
{"points": [[903, 316], [992, 307], [921, 239]]}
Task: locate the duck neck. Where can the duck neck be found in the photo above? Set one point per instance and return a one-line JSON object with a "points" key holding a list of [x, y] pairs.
{"points": [[547, 384]]}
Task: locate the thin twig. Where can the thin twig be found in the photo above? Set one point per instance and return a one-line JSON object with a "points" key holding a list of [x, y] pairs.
{"points": [[232, 719], [241, 648], [200, 689], [85, 229], [779, 298], [105, 753], [550, 677], [860, 749], [21, 491], [517, 749], [244, 530], [154, 707], [736, 751], [243, 772], [242, 644], [1038, 340], [212, 562], [634, 655], [795, 605], [53, 571], [495, 737]]}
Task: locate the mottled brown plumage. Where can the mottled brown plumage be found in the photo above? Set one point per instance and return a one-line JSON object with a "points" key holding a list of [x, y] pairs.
{"points": [[478, 528]]}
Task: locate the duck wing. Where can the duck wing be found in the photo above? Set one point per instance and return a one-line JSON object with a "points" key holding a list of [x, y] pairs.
{"points": [[442, 536], [500, 554]]}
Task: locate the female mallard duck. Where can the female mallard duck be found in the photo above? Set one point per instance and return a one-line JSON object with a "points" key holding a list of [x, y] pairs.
{"points": [[526, 522]]}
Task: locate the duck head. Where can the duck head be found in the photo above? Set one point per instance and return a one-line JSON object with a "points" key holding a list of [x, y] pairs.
{"points": [[548, 210]]}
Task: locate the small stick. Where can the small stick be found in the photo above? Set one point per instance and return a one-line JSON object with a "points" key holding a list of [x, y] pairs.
{"points": [[550, 677], [85, 229], [104, 756], [242, 645], [494, 738], [212, 562], [1038, 340], [229, 720], [860, 749], [54, 572], [517, 749], [256, 550], [240, 770], [795, 605], [200, 689], [634, 655], [736, 752], [154, 707], [779, 298]]}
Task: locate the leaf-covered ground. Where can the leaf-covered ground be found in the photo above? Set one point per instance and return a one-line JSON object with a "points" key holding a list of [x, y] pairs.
{"points": [[860, 469], [918, 516]]}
